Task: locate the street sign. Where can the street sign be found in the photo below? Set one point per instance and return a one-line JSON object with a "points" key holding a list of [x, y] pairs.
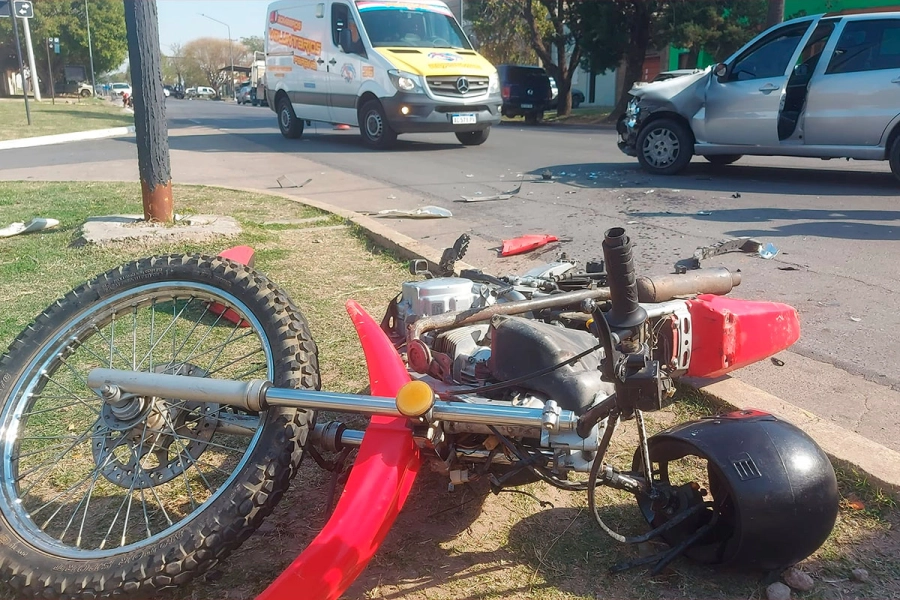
{"points": [[4, 8], [23, 9]]}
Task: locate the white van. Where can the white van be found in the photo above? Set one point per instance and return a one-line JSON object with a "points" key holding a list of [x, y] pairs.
{"points": [[386, 66]]}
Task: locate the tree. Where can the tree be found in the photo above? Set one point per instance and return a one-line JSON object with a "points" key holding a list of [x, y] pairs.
{"points": [[565, 19], [253, 44], [718, 27], [500, 33], [209, 56], [65, 19], [775, 13]]}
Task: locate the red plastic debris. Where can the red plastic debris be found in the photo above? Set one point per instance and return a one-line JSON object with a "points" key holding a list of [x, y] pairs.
{"points": [[245, 256], [526, 243], [736, 333], [379, 484]]}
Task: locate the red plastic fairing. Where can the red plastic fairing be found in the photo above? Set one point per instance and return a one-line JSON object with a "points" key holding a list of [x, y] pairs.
{"points": [[729, 334], [379, 484]]}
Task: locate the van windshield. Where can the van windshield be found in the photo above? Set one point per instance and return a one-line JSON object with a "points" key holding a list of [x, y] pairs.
{"points": [[420, 25]]}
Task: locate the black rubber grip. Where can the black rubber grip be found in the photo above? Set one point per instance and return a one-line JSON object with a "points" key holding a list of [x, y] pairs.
{"points": [[626, 313]]}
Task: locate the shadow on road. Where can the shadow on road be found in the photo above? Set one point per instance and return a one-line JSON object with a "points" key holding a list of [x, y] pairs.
{"points": [[701, 176]]}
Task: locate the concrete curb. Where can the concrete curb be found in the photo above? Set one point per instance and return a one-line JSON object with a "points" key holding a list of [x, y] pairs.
{"points": [[881, 465], [61, 138]]}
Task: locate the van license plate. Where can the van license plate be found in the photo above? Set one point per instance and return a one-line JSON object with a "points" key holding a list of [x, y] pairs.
{"points": [[528, 106], [464, 119]]}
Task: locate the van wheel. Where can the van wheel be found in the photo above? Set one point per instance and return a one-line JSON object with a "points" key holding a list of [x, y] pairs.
{"points": [[665, 147], [894, 158], [85, 93], [720, 160], [473, 138], [373, 124], [291, 127]]}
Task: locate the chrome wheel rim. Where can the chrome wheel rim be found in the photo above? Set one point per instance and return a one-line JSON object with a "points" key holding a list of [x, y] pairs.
{"points": [[76, 485]]}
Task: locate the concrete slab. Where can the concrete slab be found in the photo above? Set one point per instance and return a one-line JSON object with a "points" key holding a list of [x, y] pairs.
{"points": [[113, 229]]}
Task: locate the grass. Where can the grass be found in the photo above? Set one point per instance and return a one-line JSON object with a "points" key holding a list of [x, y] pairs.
{"points": [[467, 544], [66, 116], [593, 115]]}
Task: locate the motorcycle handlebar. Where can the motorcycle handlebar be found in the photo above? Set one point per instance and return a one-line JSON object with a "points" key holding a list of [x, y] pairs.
{"points": [[626, 313]]}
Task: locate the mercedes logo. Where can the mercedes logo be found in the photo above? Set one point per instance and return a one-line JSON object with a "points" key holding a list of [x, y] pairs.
{"points": [[462, 85], [530, 92]]}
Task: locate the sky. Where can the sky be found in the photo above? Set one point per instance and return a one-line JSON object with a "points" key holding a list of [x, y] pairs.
{"points": [[180, 20]]}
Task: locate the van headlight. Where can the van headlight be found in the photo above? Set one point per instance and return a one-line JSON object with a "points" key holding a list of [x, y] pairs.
{"points": [[494, 83], [406, 82]]}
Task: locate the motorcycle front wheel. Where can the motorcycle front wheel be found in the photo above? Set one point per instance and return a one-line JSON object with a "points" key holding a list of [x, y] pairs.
{"points": [[96, 501]]}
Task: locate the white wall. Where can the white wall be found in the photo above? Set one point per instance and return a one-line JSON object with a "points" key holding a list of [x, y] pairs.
{"points": [[604, 88]]}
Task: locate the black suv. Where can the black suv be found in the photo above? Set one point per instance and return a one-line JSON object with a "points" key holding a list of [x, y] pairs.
{"points": [[527, 91]]}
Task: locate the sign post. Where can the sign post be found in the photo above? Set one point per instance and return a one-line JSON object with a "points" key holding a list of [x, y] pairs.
{"points": [[52, 44], [22, 10]]}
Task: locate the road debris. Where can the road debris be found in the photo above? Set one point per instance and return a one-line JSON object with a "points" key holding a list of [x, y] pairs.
{"points": [[704, 252], [526, 243], [36, 224], [855, 319], [736, 195], [547, 175], [768, 252], [703, 213], [425, 212], [501, 196], [286, 182], [778, 363]]}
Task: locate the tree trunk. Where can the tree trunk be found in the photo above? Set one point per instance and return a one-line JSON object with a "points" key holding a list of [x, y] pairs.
{"points": [[634, 57], [775, 14], [693, 58], [151, 129]]}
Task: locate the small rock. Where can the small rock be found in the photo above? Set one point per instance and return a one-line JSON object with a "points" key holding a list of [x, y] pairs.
{"points": [[798, 580], [860, 575], [778, 591], [266, 527]]}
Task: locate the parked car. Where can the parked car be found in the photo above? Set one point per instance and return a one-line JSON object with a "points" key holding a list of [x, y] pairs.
{"points": [[118, 89], [577, 98], [821, 86], [174, 91], [243, 94], [527, 91]]}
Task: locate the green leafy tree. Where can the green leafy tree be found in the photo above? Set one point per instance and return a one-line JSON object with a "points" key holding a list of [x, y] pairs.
{"points": [[500, 32], [559, 49], [717, 26], [66, 20], [254, 43]]}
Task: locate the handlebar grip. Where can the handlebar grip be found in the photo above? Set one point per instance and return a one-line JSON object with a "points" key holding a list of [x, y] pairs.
{"points": [[626, 313]]}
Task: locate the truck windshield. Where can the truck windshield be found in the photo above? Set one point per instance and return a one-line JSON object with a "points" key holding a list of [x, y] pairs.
{"points": [[420, 25]]}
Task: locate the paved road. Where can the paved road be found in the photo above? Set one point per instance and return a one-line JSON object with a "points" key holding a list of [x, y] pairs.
{"points": [[835, 223]]}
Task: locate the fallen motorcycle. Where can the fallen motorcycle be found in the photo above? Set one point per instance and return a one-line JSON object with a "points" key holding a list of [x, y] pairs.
{"points": [[153, 417]]}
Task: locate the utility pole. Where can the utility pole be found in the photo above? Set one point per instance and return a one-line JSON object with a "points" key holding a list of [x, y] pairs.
{"points": [[51, 43], [35, 86], [151, 130], [87, 18], [231, 49]]}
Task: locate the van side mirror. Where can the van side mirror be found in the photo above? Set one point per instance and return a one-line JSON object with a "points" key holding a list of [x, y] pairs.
{"points": [[721, 70]]}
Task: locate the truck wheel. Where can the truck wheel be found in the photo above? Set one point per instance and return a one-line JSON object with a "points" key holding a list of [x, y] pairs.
{"points": [[720, 160], [473, 138], [373, 124], [664, 147], [85, 93], [534, 118], [894, 158], [291, 127]]}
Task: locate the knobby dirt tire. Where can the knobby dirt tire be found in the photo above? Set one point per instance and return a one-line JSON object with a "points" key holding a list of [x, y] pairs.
{"points": [[182, 549]]}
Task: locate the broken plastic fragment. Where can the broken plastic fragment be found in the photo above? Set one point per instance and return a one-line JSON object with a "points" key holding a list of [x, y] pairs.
{"points": [[36, 224], [526, 243], [855, 319], [703, 213], [768, 251], [425, 212]]}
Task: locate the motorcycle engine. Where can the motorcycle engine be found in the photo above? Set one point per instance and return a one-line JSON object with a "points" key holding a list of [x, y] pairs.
{"points": [[436, 296]]}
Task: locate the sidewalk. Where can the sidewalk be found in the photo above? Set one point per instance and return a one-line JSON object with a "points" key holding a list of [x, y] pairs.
{"points": [[197, 158]]}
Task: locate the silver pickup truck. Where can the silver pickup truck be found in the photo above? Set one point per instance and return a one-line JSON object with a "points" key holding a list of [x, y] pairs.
{"points": [[821, 87]]}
